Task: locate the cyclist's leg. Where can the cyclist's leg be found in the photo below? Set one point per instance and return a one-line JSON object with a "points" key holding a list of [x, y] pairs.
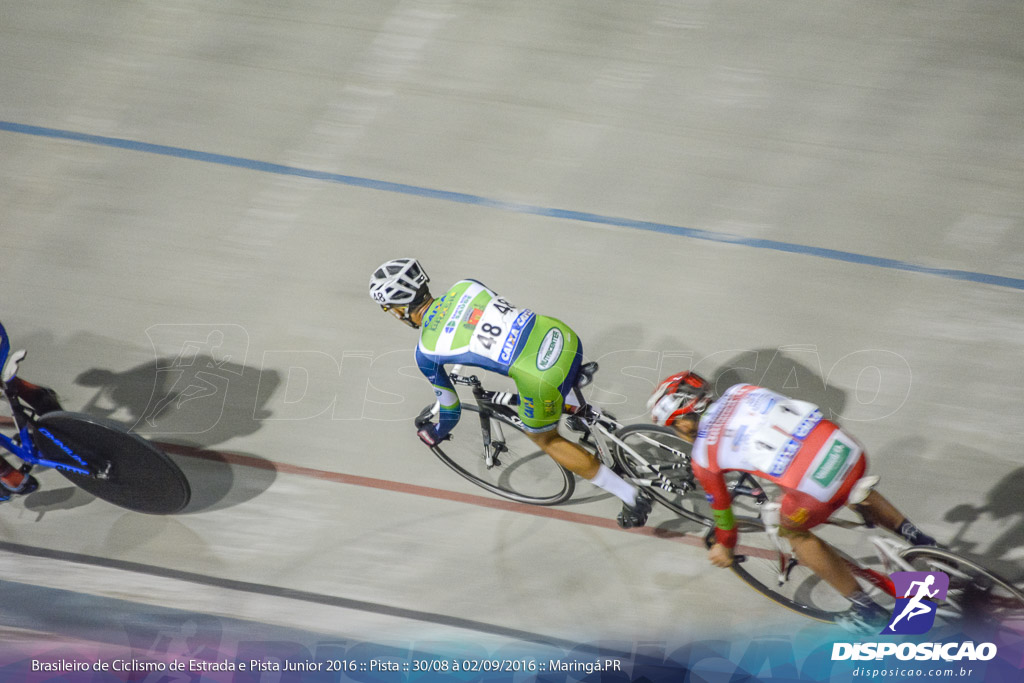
{"points": [[544, 375], [820, 558], [42, 399], [566, 453], [877, 509], [800, 512], [540, 372]]}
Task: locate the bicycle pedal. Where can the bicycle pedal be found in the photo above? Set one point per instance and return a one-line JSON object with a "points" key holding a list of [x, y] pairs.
{"points": [[682, 488]]}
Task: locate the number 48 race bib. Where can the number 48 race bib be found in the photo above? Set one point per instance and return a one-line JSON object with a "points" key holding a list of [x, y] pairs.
{"points": [[499, 331]]}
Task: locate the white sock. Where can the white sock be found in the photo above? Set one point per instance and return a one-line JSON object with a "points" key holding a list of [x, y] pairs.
{"points": [[615, 485]]}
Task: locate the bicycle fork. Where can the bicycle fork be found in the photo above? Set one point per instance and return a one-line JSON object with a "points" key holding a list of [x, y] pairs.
{"points": [[787, 560], [771, 518], [492, 448]]}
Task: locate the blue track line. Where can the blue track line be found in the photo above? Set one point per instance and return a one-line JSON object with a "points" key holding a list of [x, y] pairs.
{"points": [[515, 207]]}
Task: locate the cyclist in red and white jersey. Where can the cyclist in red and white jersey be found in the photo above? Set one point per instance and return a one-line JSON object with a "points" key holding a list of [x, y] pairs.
{"points": [[819, 467]]}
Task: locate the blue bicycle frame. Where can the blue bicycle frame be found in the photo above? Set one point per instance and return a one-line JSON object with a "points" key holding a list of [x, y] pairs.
{"points": [[27, 449]]}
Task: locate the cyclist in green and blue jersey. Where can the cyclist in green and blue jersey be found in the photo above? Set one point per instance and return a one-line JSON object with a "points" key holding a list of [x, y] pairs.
{"points": [[471, 325]]}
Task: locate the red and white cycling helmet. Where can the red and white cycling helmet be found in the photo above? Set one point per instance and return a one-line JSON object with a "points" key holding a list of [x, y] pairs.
{"points": [[684, 393]]}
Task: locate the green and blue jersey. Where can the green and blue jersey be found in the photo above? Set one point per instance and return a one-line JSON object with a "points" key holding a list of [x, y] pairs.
{"points": [[471, 325]]}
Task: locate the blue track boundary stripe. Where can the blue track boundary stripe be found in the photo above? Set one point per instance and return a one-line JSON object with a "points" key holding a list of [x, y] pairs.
{"points": [[515, 207]]}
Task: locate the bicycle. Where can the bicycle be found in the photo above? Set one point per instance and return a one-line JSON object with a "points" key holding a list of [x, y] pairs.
{"points": [[97, 455], [765, 562], [507, 463]]}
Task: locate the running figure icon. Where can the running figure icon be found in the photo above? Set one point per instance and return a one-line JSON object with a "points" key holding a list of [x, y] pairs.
{"points": [[914, 607], [921, 592]]}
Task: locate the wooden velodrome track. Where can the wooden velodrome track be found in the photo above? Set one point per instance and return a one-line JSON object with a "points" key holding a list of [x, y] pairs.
{"points": [[823, 199]]}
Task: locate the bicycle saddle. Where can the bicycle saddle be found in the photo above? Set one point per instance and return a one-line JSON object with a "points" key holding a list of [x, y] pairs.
{"points": [[11, 366]]}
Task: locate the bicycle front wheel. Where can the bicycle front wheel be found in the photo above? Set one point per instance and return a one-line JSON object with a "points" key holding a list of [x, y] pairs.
{"points": [[779, 576], [520, 470], [975, 593], [657, 460], [126, 469]]}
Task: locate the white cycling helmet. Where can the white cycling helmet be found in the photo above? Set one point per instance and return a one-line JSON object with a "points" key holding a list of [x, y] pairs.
{"points": [[399, 284]]}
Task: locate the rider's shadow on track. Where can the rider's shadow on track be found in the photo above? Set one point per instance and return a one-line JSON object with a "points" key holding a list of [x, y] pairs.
{"points": [[778, 370], [1003, 503], [187, 409]]}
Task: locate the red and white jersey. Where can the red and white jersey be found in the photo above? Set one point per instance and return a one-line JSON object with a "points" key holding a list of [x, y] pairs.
{"points": [[786, 441]]}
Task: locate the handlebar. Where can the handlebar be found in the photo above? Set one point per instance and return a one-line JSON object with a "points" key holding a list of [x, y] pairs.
{"points": [[748, 486], [709, 541], [471, 381], [457, 377]]}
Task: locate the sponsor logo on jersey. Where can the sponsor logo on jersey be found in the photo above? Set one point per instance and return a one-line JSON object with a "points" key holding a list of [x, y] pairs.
{"points": [[784, 458], [513, 336], [550, 349], [832, 464], [549, 407], [738, 437], [435, 318], [799, 517], [808, 424], [720, 420], [453, 322], [762, 403], [528, 407], [474, 317]]}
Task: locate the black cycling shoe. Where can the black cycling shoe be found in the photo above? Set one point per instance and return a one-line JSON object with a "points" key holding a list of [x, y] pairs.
{"points": [[636, 516], [914, 536]]}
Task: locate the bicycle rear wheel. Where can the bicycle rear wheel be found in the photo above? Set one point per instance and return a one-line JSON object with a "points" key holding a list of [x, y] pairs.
{"points": [[664, 470], [975, 593], [779, 576], [127, 470], [521, 471]]}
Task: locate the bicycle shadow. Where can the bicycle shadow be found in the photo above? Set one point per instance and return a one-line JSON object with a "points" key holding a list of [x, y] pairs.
{"points": [[188, 408], [1003, 503], [186, 403]]}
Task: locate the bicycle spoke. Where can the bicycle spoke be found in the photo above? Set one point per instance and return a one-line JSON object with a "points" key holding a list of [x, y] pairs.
{"points": [[657, 459], [511, 465]]}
